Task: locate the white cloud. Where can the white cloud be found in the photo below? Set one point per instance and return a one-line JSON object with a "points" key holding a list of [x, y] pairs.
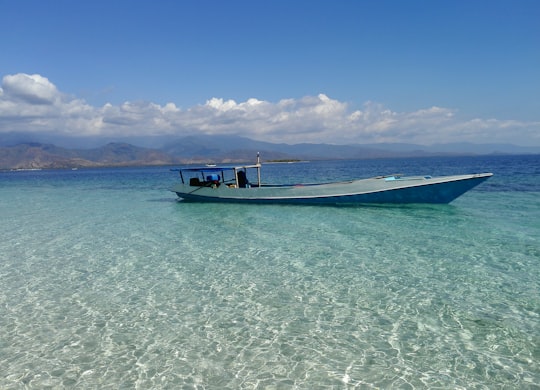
{"points": [[33, 103], [33, 89]]}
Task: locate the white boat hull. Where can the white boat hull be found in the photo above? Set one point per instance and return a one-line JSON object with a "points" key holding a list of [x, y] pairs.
{"points": [[397, 190]]}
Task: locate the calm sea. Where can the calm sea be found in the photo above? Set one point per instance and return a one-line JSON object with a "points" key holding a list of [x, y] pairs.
{"points": [[108, 282]]}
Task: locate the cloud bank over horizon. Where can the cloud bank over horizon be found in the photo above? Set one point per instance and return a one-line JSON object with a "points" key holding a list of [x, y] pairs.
{"points": [[32, 103]]}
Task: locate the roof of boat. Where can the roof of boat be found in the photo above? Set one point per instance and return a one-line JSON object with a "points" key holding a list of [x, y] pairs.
{"points": [[216, 168]]}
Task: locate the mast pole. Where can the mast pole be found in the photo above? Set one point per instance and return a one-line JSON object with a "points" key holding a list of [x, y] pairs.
{"points": [[259, 169]]}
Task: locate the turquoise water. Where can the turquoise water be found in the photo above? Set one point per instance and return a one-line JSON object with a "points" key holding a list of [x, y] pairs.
{"points": [[109, 282]]}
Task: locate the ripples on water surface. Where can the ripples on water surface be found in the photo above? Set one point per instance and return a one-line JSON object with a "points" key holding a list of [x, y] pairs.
{"points": [[108, 282]]}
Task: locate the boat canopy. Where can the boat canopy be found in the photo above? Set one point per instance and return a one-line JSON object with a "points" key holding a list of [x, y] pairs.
{"points": [[238, 176], [215, 169]]}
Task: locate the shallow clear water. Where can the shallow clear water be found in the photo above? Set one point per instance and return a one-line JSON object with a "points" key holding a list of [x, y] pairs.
{"points": [[109, 282]]}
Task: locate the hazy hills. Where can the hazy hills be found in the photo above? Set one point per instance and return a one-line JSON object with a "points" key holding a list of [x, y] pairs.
{"points": [[16, 153], [38, 155]]}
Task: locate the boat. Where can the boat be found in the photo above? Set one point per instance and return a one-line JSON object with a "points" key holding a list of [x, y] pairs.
{"points": [[233, 184]]}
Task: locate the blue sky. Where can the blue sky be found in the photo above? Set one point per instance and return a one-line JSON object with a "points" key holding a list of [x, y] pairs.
{"points": [[285, 71]]}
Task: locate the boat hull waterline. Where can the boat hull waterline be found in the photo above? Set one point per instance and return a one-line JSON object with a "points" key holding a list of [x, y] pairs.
{"points": [[389, 189]]}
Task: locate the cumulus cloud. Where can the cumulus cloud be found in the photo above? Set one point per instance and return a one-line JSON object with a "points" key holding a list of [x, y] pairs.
{"points": [[31, 89], [33, 103]]}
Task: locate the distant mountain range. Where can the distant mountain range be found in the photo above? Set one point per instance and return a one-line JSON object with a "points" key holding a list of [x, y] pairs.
{"points": [[15, 153], [34, 155]]}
